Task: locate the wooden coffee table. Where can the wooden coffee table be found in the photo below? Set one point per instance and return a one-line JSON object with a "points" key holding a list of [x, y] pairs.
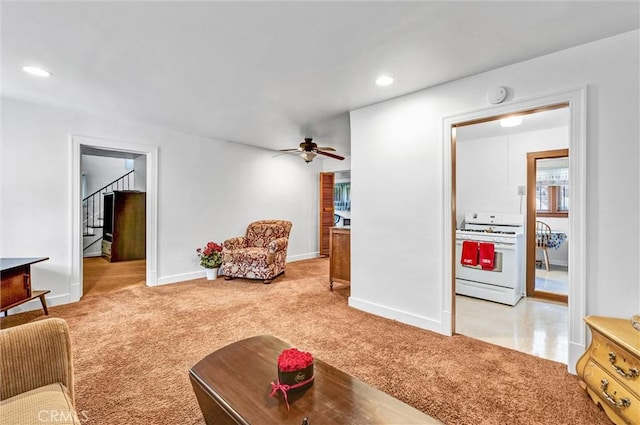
{"points": [[233, 384]]}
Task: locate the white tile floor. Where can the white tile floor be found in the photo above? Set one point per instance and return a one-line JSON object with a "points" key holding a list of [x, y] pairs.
{"points": [[536, 327], [555, 280]]}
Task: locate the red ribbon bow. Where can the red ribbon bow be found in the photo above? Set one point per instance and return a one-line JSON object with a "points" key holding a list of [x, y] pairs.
{"points": [[284, 388]]}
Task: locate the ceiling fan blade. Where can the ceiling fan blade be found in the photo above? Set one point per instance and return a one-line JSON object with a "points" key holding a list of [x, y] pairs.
{"points": [[325, 148], [289, 150], [330, 155]]}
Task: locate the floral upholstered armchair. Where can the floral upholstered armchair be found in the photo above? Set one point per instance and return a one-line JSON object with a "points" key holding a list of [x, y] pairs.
{"points": [[260, 254]]}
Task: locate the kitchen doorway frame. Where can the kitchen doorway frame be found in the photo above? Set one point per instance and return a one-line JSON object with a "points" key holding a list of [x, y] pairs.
{"points": [[151, 152], [576, 99], [532, 217]]}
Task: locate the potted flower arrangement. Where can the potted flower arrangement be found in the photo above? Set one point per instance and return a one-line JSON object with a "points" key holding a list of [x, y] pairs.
{"points": [[210, 258]]}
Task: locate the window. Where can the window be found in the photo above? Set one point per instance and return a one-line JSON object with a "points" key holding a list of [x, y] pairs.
{"points": [[342, 196], [552, 187]]}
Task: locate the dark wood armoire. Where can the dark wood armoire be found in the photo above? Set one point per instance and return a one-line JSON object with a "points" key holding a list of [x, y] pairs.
{"points": [[124, 233]]}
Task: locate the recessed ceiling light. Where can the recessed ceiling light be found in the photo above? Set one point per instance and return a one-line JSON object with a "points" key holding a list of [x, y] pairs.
{"points": [[511, 121], [384, 80], [34, 70]]}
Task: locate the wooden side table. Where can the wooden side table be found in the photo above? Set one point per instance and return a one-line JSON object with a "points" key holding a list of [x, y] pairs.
{"points": [[610, 368], [16, 283]]}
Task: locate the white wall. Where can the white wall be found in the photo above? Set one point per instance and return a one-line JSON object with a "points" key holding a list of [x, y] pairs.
{"points": [[100, 171], [406, 134], [208, 190], [140, 173], [489, 171]]}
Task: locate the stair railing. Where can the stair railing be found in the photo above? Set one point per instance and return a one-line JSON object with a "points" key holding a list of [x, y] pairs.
{"points": [[93, 204]]}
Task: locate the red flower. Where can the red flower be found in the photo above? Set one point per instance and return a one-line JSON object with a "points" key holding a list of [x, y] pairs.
{"points": [[293, 359], [210, 256]]}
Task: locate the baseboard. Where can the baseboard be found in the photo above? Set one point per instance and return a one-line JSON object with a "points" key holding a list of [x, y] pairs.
{"points": [[200, 274], [35, 304], [575, 352], [181, 277], [401, 316], [301, 257]]}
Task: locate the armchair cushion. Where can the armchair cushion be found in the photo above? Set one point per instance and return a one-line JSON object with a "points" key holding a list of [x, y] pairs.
{"points": [[37, 374], [49, 404], [260, 254]]}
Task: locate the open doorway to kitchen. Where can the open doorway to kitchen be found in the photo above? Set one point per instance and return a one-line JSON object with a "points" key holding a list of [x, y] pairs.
{"points": [[490, 188]]}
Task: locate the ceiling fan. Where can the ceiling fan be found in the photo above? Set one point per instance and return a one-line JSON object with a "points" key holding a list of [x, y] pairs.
{"points": [[308, 150]]}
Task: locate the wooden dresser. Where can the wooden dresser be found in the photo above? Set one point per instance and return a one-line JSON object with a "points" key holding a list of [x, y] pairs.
{"points": [[339, 256], [124, 236], [610, 368]]}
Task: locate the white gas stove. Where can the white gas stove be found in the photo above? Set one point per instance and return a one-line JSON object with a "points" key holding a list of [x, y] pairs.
{"points": [[499, 236]]}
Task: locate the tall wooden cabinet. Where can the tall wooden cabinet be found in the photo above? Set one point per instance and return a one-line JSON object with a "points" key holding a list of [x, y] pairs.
{"points": [[339, 256], [124, 233]]}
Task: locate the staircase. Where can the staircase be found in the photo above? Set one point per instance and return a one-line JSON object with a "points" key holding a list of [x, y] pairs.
{"points": [[92, 214]]}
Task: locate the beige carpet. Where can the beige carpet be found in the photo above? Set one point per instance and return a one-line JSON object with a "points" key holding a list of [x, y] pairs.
{"points": [[133, 349]]}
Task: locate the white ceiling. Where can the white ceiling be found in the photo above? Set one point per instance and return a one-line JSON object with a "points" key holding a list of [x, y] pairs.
{"points": [[270, 73]]}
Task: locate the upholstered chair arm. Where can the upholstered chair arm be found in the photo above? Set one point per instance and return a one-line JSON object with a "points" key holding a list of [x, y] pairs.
{"points": [[34, 355], [235, 243], [274, 246]]}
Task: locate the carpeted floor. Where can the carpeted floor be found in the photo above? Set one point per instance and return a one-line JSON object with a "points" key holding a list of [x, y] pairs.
{"points": [[100, 276], [133, 349]]}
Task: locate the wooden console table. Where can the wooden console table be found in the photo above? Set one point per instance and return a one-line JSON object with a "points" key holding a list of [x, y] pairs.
{"points": [[233, 384], [16, 283]]}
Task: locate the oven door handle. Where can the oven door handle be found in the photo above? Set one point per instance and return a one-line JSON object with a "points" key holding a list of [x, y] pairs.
{"points": [[498, 245]]}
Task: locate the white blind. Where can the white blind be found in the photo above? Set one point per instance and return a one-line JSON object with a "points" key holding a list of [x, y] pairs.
{"points": [[553, 176]]}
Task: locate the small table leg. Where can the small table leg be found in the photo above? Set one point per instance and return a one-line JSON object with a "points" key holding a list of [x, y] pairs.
{"points": [[44, 304]]}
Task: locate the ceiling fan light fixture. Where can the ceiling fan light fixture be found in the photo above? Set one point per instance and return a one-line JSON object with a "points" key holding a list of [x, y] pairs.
{"points": [[308, 156], [384, 80]]}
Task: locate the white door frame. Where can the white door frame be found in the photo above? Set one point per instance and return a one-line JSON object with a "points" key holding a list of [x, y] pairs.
{"points": [[151, 152], [577, 100]]}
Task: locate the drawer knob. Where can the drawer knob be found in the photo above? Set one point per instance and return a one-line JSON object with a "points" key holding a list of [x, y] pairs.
{"points": [[620, 404], [633, 372]]}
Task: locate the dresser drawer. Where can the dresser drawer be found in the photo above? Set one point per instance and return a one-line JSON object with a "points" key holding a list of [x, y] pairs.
{"points": [[614, 397], [617, 361], [106, 248]]}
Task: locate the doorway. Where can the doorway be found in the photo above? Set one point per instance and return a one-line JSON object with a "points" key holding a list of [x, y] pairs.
{"points": [[484, 146], [149, 179], [113, 233], [335, 205], [548, 194]]}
